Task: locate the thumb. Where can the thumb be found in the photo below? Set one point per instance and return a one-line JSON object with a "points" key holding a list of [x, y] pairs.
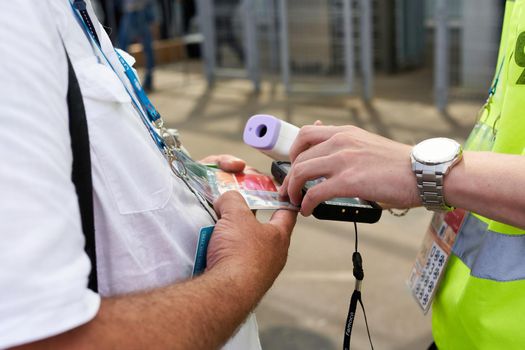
{"points": [[231, 164], [284, 220], [231, 202]]}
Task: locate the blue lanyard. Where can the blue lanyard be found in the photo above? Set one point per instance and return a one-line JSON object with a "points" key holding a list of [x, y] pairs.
{"points": [[151, 111], [492, 89], [147, 113]]}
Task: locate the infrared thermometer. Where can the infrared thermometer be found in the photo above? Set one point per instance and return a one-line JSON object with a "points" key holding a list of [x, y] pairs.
{"points": [[270, 135]]}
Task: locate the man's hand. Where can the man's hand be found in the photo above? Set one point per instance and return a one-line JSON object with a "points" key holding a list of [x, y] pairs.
{"points": [[225, 162], [354, 162], [229, 163], [244, 258], [244, 247]]}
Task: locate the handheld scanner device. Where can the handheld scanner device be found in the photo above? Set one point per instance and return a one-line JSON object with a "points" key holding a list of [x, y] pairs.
{"points": [[336, 209], [270, 135]]}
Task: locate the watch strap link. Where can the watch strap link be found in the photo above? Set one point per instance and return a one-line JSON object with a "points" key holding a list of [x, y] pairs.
{"points": [[430, 185]]}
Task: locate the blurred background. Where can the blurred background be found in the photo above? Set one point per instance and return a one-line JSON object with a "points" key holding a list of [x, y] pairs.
{"points": [[406, 69]]}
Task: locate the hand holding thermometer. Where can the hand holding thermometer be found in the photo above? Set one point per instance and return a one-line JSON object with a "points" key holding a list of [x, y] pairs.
{"points": [[274, 138]]}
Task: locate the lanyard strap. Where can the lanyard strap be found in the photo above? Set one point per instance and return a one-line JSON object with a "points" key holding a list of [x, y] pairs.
{"points": [[359, 274], [492, 89], [80, 5], [167, 143], [147, 112], [151, 111], [488, 103]]}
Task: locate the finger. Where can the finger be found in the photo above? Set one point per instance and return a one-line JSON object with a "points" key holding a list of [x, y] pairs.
{"points": [[211, 159], [322, 149], [318, 122], [301, 173], [284, 220], [226, 162], [319, 193], [230, 202], [310, 135], [231, 164], [283, 190]]}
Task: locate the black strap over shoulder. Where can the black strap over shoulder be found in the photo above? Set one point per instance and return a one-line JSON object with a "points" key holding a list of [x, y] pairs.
{"points": [[81, 174]]}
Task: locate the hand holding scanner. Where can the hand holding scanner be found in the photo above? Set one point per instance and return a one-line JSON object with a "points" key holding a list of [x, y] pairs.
{"points": [[274, 138], [336, 209]]}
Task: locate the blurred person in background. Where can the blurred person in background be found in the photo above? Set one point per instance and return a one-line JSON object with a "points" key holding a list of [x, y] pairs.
{"points": [[190, 11], [137, 18], [109, 11], [480, 303], [146, 218], [166, 12], [225, 14]]}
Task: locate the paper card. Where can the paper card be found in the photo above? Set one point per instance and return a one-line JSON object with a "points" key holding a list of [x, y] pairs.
{"points": [[260, 191]]}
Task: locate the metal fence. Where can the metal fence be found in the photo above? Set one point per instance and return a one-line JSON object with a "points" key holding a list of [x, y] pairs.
{"points": [[297, 38], [318, 38], [337, 46], [330, 45], [466, 35]]}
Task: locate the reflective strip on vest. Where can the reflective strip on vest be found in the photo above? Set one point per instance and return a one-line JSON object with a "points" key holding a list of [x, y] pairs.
{"points": [[488, 254]]}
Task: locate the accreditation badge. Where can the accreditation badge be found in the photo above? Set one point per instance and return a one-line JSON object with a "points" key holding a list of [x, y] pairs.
{"points": [[201, 252], [433, 255]]}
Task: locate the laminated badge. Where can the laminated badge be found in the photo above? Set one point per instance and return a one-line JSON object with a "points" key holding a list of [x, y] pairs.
{"points": [[433, 255]]}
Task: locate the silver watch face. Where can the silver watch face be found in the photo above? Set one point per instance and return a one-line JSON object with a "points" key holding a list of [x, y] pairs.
{"points": [[436, 151]]}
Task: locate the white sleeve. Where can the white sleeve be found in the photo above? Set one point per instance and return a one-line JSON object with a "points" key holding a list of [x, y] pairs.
{"points": [[43, 267]]}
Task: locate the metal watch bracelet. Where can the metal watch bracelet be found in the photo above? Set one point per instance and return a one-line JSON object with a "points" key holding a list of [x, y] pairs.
{"points": [[430, 185]]}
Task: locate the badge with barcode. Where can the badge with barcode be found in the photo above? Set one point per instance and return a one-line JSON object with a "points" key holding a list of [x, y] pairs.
{"points": [[433, 256]]}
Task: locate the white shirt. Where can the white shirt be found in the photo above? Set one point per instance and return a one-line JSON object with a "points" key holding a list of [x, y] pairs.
{"points": [[146, 220]]}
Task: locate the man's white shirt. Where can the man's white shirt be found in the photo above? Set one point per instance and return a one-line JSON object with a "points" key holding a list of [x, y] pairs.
{"points": [[146, 220]]}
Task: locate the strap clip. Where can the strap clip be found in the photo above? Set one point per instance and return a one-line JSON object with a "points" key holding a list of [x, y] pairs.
{"points": [[80, 5]]}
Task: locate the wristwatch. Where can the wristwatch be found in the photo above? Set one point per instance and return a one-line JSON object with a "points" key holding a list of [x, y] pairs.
{"points": [[432, 159]]}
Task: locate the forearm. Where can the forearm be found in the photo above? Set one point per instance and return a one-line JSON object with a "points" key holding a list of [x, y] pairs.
{"points": [[198, 314], [489, 184]]}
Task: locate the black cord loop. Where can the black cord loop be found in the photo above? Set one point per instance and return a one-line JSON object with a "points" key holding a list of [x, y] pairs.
{"points": [[359, 274]]}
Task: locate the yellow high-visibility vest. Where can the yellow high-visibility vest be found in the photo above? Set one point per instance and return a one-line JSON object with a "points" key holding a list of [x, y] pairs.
{"points": [[480, 303]]}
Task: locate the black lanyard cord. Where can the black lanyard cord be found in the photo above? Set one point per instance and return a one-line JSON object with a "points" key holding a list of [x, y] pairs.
{"points": [[359, 274], [81, 6]]}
